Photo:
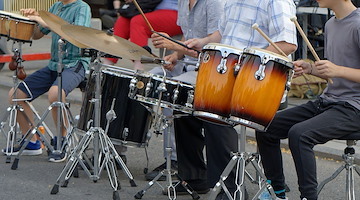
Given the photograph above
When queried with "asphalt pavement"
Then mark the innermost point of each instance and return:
(35, 176)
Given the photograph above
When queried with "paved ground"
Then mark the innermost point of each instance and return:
(35, 176)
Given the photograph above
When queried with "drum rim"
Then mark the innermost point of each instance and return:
(250, 124)
(167, 79)
(272, 56)
(221, 47)
(21, 18)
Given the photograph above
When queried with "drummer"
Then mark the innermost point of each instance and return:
(235, 29)
(198, 19)
(45, 79)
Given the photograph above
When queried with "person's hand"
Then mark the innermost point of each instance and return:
(301, 67)
(195, 43)
(172, 58)
(29, 12)
(327, 69)
(161, 42)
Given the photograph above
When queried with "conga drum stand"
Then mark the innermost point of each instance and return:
(239, 161)
(104, 153)
(167, 122)
(12, 112)
(62, 107)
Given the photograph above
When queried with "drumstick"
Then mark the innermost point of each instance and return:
(256, 27)
(143, 15)
(175, 41)
(312, 50)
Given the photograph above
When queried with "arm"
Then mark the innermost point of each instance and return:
(199, 43)
(287, 48)
(34, 15)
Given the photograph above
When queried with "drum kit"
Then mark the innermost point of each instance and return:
(233, 87)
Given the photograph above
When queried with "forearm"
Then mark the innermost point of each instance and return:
(287, 48)
(37, 33)
(349, 74)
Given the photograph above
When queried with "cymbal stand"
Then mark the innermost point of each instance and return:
(62, 107)
(161, 123)
(102, 147)
(10, 117)
(240, 160)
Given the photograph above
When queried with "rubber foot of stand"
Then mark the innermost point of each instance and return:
(195, 196)
(8, 159)
(95, 181)
(15, 164)
(116, 195)
(55, 189)
(132, 183)
(146, 170)
(65, 184)
(76, 173)
(139, 194)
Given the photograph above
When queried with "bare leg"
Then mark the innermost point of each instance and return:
(21, 119)
(52, 97)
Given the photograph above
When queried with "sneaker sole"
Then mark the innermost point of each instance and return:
(57, 161)
(25, 153)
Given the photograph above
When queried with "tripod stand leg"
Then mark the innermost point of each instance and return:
(150, 184)
(334, 175)
(75, 158)
(220, 184)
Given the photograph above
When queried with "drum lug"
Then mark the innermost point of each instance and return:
(148, 88)
(198, 62)
(222, 68)
(132, 88)
(237, 69)
(176, 94)
(190, 99)
(260, 73)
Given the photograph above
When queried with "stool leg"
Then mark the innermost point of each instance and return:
(350, 183)
(334, 175)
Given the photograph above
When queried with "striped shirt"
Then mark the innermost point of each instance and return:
(272, 16)
(77, 13)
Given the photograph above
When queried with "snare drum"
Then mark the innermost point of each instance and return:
(132, 122)
(215, 82)
(259, 87)
(177, 95)
(4, 21)
(21, 28)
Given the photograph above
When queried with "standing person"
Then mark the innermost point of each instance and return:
(235, 29)
(44, 80)
(336, 113)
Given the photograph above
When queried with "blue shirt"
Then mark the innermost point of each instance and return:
(77, 13)
(167, 5)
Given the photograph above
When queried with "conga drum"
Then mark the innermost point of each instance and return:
(259, 87)
(4, 21)
(21, 28)
(215, 81)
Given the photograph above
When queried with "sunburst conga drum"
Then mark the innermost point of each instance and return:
(21, 28)
(259, 87)
(215, 81)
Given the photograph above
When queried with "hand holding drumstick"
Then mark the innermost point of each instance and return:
(323, 64)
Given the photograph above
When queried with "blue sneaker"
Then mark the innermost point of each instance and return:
(32, 149)
(265, 195)
(57, 156)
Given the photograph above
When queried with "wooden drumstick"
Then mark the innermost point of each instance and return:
(143, 15)
(312, 50)
(256, 27)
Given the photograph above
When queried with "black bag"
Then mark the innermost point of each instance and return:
(129, 10)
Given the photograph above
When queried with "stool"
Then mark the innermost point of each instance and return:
(349, 165)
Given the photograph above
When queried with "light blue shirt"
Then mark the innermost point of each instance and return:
(77, 13)
(272, 16)
(167, 5)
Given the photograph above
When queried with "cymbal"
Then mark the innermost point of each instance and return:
(110, 44)
(55, 22)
